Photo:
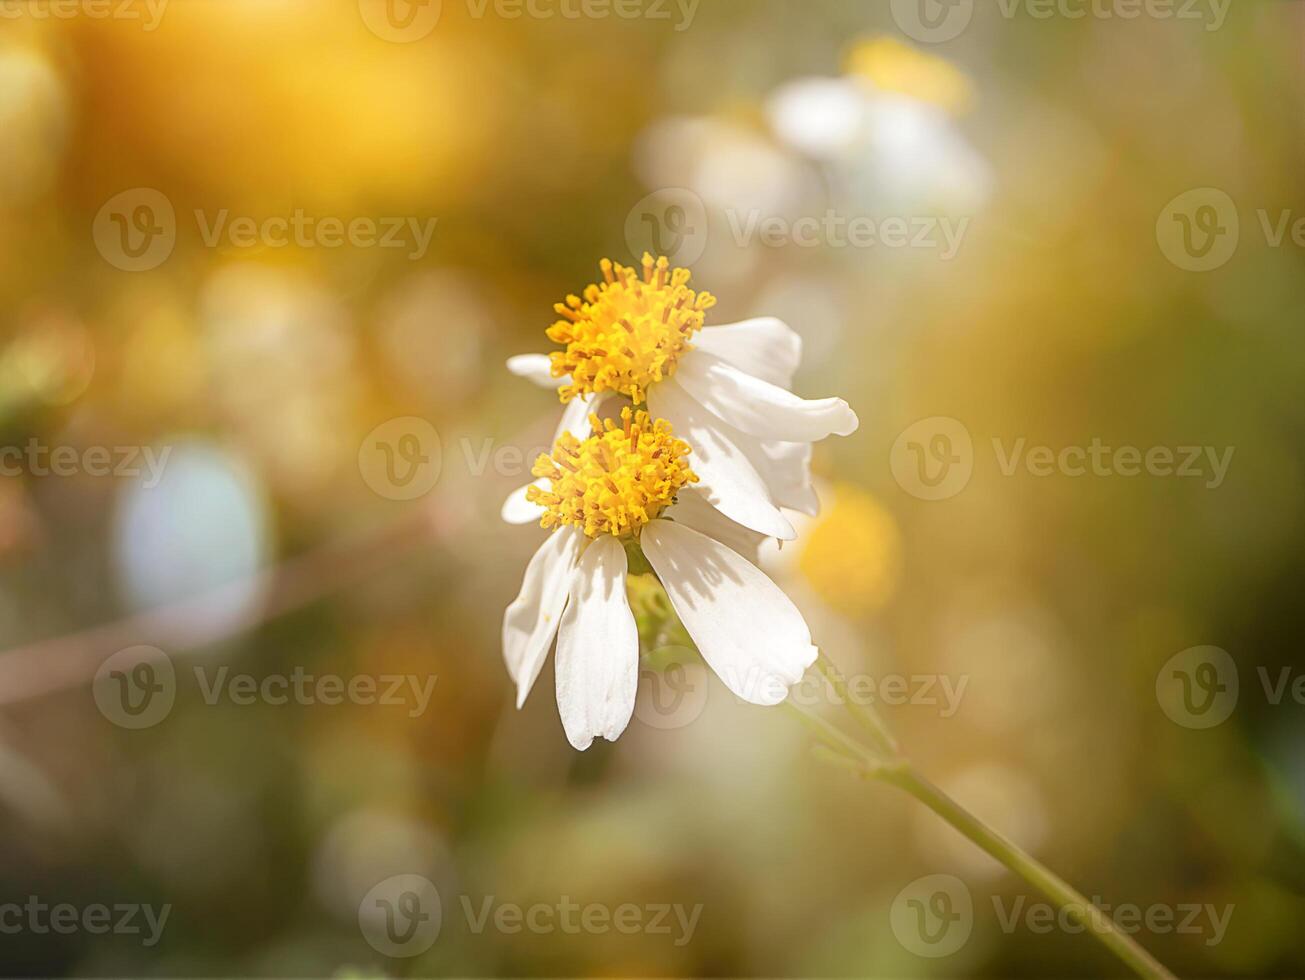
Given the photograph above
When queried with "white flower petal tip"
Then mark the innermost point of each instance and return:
(693, 509)
(852, 420)
(518, 510)
(759, 408)
(536, 368)
(597, 662)
(746, 628)
(532, 620)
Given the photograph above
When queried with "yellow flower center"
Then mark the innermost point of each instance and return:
(628, 331)
(617, 480)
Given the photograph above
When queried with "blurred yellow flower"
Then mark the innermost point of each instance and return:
(852, 553)
(894, 66)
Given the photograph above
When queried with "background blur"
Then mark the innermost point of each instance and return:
(301, 519)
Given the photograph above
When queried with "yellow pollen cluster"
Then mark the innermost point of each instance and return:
(617, 480)
(628, 331)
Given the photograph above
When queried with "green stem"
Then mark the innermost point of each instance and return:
(863, 713)
(884, 762)
(1026, 866)
(833, 738)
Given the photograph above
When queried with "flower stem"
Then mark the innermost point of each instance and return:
(863, 713)
(883, 761)
(1026, 866)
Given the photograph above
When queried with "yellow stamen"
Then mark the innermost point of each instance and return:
(615, 481)
(628, 332)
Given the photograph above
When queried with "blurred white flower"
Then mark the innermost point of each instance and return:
(729, 166)
(886, 131)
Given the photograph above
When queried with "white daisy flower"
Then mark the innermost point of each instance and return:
(724, 389)
(629, 485)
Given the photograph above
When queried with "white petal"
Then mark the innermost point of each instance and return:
(597, 649)
(758, 408)
(693, 510)
(786, 469)
(765, 347)
(728, 479)
(518, 510)
(746, 628)
(575, 417)
(532, 620)
(535, 368)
